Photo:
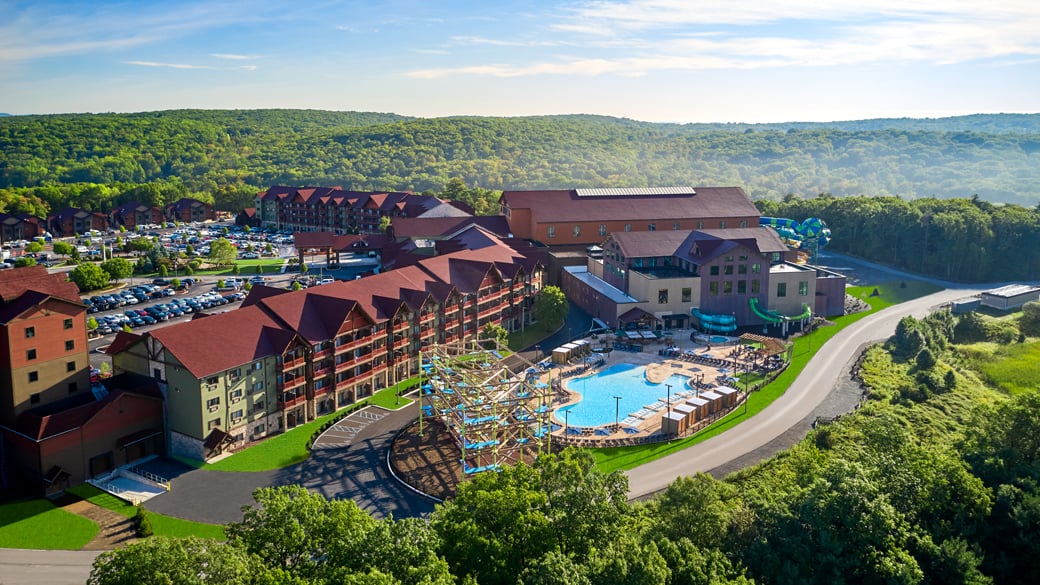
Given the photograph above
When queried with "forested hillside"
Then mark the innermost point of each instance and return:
(934, 480)
(954, 239)
(226, 154)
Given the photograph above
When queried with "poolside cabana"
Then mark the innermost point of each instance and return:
(714, 401)
(560, 355)
(673, 423)
(700, 407)
(638, 318)
(729, 395)
(687, 410)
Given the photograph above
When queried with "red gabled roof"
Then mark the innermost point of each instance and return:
(245, 334)
(14, 283)
(123, 340)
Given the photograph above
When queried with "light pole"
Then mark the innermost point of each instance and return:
(669, 387)
(617, 408)
(566, 420)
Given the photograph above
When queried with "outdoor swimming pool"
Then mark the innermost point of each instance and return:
(719, 339)
(597, 403)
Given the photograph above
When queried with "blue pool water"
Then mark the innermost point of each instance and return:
(597, 403)
(718, 339)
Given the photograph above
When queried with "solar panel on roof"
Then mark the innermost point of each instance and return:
(634, 191)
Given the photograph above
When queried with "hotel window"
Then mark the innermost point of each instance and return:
(34, 376)
(741, 268)
(776, 256)
(729, 270)
(803, 288)
(237, 415)
(722, 225)
(675, 226)
(687, 294)
(552, 231)
(700, 225)
(714, 271)
(756, 287)
(713, 288)
(258, 365)
(214, 423)
(727, 287)
(662, 296)
(67, 323)
(781, 289)
(70, 366)
(70, 345)
(577, 230)
(258, 386)
(30, 332)
(743, 223)
(756, 268)
(628, 227)
(651, 227)
(741, 287)
(602, 229)
(30, 354)
(213, 403)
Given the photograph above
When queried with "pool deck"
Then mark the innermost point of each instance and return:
(645, 425)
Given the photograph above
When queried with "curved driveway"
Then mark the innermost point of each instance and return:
(807, 392)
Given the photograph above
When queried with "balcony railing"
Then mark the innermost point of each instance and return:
(291, 401)
(289, 383)
(290, 363)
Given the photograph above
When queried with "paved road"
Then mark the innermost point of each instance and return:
(45, 567)
(807, 392)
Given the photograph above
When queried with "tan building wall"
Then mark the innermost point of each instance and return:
(797, 283)
(650, 289)
(595, 232)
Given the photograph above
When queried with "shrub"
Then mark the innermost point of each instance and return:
(142, 523)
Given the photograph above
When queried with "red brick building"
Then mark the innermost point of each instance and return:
(19, 226)
(189, 210)
(72, 221)
(43, 340)
(132, 214)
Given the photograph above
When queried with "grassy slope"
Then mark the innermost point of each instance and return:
(38, 524)
(804, 348)
(161, 524)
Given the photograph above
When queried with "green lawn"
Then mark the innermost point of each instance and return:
(290, 447)
(804, 348)
(162, 525)
(1014, 367)
(39, 524)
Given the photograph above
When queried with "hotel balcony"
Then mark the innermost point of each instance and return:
(292, 382)
(351, 345)
(291, 363)
(290, 399)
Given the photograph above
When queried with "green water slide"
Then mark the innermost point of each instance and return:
(766, 315)
(805, 314)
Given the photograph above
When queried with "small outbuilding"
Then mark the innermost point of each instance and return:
(1010, 297)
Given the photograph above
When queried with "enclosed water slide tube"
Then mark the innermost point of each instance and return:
(765, 315)
(798, 233)
(715, 323)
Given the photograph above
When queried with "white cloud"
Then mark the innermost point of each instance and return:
(168, 65)
(755, 34)
(232, 56)
(430, 51)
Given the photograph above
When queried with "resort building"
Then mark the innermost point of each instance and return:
(19, 226)
(57, 429)
(331, 209)
(188, 210)
(288, 356)
(588, 216)
(722, 279)
(72, 221)
(132, 214)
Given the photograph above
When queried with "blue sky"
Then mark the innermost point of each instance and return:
(655, 60)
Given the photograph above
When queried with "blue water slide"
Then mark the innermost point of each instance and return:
(715, 323)
(799, 234)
